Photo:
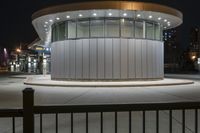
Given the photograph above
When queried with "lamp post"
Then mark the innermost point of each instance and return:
(18, 51)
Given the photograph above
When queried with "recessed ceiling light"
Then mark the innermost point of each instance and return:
(159, 18)
(47, 32)
(125, 14)
(94, 14)
(150, 16)
(80, 15)
(50, 20)
(169, 22)
(165, 27)
(46, 22)
(57, 18)
(109, 14)
(45, 25)
(46, 29)
(67, 16)
(138, 15)
(165, 20)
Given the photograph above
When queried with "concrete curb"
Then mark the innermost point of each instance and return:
(17, 77)
(31, 81)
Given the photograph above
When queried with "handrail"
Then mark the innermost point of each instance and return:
(11, 112)
(115, 107)
(30, 109)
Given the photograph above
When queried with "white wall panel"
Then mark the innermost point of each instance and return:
(162, 60)
(79, 58)
(116, 59)
(154, 59)
(72, 58)
(157, 59)
(108, 59)
(144, 59)
(93, 58)
(138, 60)
(53, 64)
(101, 57)
(124, 58)
(61, 59)
(56, 61)
(86, 59)
(66, 56)
(149, 59)
(131, 58)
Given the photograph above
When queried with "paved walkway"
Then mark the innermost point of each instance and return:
(11, 97)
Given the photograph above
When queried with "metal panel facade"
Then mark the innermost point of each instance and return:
(86, 59)
(93, 58)
(116, 59)
(101, 58)
(124, 58)
(79, 59)
(107, 58)
(131, 59)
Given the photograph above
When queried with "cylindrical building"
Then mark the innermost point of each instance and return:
(106, 40)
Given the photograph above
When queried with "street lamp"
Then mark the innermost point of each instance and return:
(18, 50)
(193, 57)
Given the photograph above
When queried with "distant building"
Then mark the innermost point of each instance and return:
(40, 60)
(172, 50)
(194, 47)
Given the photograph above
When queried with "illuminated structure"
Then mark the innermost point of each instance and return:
(106, 40)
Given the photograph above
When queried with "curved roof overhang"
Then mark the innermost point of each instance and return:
(43, 19)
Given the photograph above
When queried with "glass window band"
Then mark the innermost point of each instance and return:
(106, 28)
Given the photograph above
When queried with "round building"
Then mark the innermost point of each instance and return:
(106, 40)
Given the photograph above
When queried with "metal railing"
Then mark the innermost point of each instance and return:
(29, 110)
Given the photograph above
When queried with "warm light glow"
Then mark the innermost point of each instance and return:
(18, 50)
(193, 57)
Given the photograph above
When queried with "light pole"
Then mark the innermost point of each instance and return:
(18, 51)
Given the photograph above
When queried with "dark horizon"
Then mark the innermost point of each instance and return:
(16, 25)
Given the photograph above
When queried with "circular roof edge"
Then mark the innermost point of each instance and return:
(121, 5)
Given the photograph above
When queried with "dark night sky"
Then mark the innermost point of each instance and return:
(16, 27)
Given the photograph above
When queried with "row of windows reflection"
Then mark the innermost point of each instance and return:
(105, 28)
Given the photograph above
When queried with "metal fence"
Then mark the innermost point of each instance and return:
(29, 110)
